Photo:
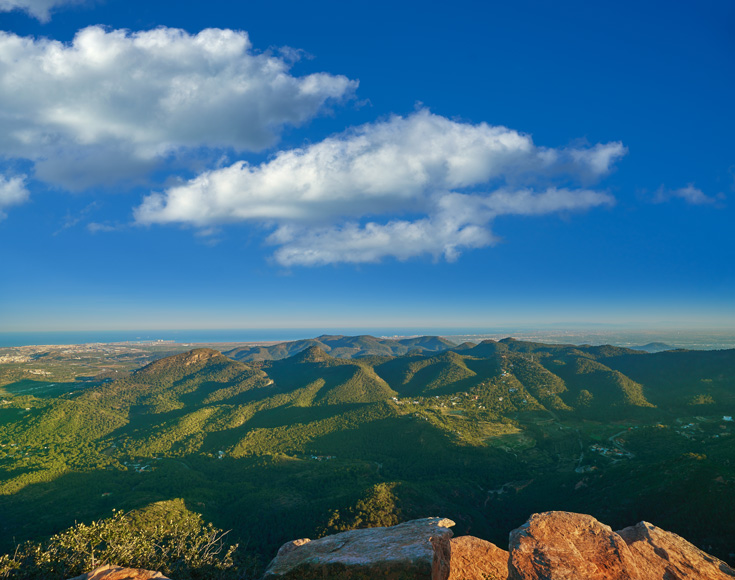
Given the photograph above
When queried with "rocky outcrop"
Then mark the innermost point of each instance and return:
(416, 550)
(550, 546)
(476, 559)
(118, 573)
(661, 554)
(567, 546)
(562, 545)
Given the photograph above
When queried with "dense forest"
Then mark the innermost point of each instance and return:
(305, 439)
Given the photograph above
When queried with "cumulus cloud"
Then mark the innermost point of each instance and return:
(460, 223)
(12, 192)
(689, 194)
(39, 9)
(452, 178)
(115, 99)
(396, 165)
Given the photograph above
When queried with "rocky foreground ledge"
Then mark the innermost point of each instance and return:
(550, 546)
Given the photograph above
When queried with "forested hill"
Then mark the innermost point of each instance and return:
(504, 377)
(341, 435)
(344, 347)
(588, 379)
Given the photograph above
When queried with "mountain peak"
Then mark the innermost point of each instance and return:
(311, 354)
(654, 347)
(199, 355)
(185, 359)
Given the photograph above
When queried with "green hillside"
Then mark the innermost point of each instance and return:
(298, 446)
(678, 378)
(609, 389)
(544, 385)
(436, 375)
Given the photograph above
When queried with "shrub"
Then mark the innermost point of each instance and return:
(183, 547)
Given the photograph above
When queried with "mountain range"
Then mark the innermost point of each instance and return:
(339, 432)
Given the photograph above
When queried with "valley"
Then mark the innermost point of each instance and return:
(278, 441)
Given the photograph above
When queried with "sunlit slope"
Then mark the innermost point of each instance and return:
(569, 377)
(328, 380)
(197, 377)
(203, 401)
(544, 385)
(61, 422)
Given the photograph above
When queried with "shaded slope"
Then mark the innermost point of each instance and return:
(417, 375)
(191, 378)
(328, 380)
(609, 388)
(676, 379)
(340, 346)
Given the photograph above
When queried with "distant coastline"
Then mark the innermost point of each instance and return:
(13, 339)
(689, 339)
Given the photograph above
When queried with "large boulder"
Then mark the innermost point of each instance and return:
(659, 555)
(415, 550)
(550, 546)
(118, 573)
(568, 546)
(476, 559)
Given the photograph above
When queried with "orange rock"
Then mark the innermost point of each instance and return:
(118, 573)
(568, 546)
(662, 555)
(550, 546)
(476, 559)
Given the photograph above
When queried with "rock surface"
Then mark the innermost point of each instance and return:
(567, 546)
(476, 559)
(416, 550)
(550, 546)
(118, 573)
(659, 554)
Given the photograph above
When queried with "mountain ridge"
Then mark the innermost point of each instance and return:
(482, 434)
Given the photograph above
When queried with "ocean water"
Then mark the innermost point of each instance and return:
(690, 339)
(9, 339)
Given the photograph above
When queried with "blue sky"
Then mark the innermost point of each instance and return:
(357, 164)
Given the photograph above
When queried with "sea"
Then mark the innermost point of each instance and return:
(10, 339)
(696, 339)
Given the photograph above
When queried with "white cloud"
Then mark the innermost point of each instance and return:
(395, 165)
(689, 194)
(598, 159)
(437, 184)
(12, 192)
(39, 9)
(460, 222)
(95, 227)
(115, 98)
